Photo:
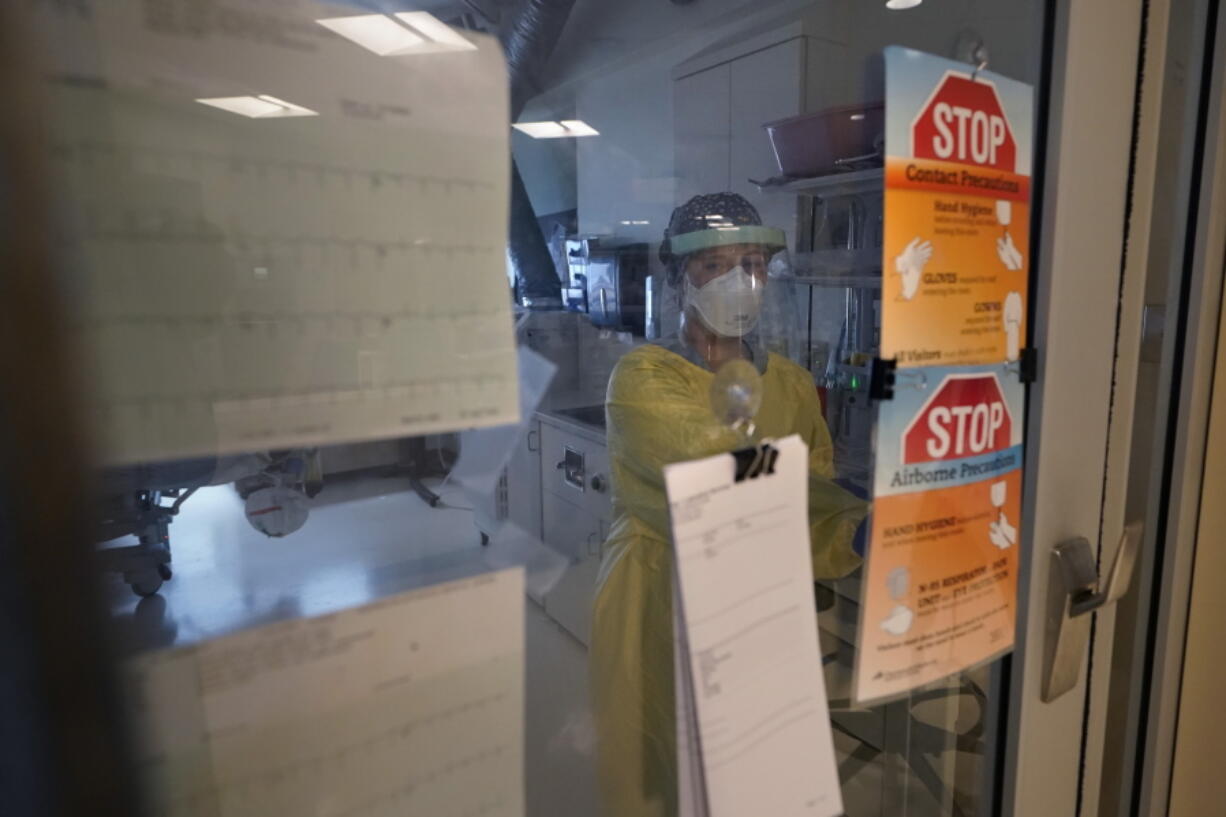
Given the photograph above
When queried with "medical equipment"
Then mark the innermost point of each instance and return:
(142, 501)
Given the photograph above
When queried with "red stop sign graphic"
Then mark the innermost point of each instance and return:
(966, 416)
(963, 121)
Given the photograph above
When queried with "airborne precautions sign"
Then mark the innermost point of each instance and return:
(940, 587)
(957, 212)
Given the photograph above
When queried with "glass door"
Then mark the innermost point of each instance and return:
(391, 314)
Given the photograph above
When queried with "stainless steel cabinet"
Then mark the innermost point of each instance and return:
(575, 465)
(580, 536)
(575, 515)
(524, 482)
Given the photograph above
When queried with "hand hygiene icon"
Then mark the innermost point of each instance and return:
(1001, 533)
(910, 265)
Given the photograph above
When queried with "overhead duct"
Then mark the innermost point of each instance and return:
(529, 41)
(529, 38)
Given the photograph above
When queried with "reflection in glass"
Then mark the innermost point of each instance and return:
(286, 227)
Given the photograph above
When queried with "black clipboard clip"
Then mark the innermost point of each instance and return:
(754, 461)
(1027, 365)
(882, 378)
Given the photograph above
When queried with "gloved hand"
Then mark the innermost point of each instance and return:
(1007, 530)
(1009, 254)
(1001, 533)
(910, 264)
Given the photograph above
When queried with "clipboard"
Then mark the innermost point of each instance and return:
(753, 730)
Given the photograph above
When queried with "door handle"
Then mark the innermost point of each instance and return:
(531, 448)
(1078, 593)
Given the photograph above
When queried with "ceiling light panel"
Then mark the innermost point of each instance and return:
(375, 32)
(405, 34)
(435, 30)
(577, 127)
(566, 129)
(263, 106)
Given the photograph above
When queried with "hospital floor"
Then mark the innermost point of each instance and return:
(369, 537)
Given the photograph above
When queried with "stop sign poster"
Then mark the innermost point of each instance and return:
(957, 212)
(940, 587)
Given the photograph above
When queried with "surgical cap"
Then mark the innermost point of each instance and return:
(714, 220)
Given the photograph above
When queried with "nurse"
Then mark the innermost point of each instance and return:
(726, 273)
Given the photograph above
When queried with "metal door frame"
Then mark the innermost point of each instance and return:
(1077, 431)
(1189, 356)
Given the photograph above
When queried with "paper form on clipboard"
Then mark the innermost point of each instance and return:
(753, 730)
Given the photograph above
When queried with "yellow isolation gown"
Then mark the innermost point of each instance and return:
(658, 412)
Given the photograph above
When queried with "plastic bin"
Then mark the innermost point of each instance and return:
(813, 143)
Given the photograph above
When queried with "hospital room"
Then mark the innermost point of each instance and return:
(408, 338)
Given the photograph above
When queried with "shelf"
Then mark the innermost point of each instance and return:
(854, 183)
(863, 281)
(836, 267)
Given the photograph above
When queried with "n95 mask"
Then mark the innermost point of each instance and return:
(729, 305)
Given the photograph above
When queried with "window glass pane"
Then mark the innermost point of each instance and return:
(375, 297)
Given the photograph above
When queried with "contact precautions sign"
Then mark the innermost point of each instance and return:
(957, 191)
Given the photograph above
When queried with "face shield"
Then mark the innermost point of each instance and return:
(733, 290)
